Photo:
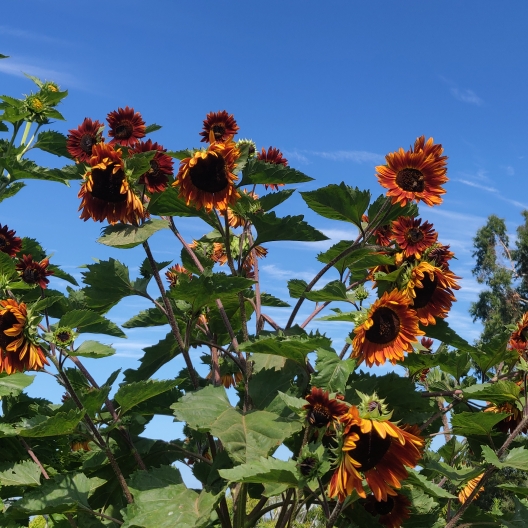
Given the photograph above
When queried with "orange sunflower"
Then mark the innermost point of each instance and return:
(440, 255)
(430, 290)
(392, 512)
(156, 179)
(206, 179)
(9, 243)
(32, 272)
(518, 340)
(415, 175)
(273, 155)
(81, 140)
(173, 274)
(18, 349)
(106, 193)
(219, 126)
(383, 233)
(126, 127)
(467, 490)
(389, 330)
(412, 236)
(321, 410)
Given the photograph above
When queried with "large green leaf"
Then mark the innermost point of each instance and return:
(444, 333)
(392, 212)
(59, 424)
(517, 458)
(257, 171)
(358, 260)
(338, 202)
(499, 392)
(14, 383)
(93, 349)
(457, 363)
(333, 291)
(271, 228)
(494, 352)
(520, 516)
(145, 318)
(246, 437)
(132, 394)
(87, 321)
(52, 142)
(468, 423)
(332, 373)
(271, 200)
(126, 236)
(455, 476)
(416, 479)
(25, 473)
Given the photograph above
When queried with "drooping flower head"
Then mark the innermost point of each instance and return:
(519, 339)
(9, 243)
(439, 255)
(19, 350)
(415, 175)
(126, 127)
(321, 410)
(156, 179)
(412, 236)
(392, 512)
(219, 127)
(106, 193)
(206, 179)
(33, 272)
(273, 155)
(467, 490)
(388, 331)
(82, 139)
(173, 274)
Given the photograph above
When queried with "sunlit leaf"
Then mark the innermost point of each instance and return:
(126, 236)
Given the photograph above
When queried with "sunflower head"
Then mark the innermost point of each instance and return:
(33, 272)
(156, 179)
(64, 336)
(251, 146)
(468, 489)
(218, 127)
(519, 338)
(392, 512)
(9, 243)
(321, 410)
(439, 255)
(412, 236)
(126, 127)
(82, 139)
(36, 103)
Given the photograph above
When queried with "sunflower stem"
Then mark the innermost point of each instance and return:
(335, 514)
(25, 134)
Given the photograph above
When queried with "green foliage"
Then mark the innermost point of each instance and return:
(124, 236)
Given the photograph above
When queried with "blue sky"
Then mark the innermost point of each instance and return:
(334, 86)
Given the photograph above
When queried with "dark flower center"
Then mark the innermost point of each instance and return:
(411, 180)
(414, 235)
(385, 328)
(123, 130)
(154, 168)
(209, 174)
(384, 507)
(370, 448)
(373, 405)
(319, 416)
(4, 243)
(306, 466)
(8, 320)
(218, 130)
(107, 186)
(86, 143)
(425, 294)
(31, 275)
(63, 337)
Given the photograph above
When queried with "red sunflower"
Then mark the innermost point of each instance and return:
(273, 155)
(106, 193)
(81, 140)
(389, 330)
(126, 127)
(430, 290)
(9, 243)
(415, 175)
(156, 179)
(206, 179)
(412, 236)
(219, 127)
(18, 348)
(440, 255)
(392, 512)
(321, 410)
(32, 272)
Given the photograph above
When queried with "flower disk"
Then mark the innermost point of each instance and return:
(412, 236)
(126, 126)
(156, 179)
(415, 175)
(390, 328)
(81, 140)
(321, 411)
(9, 243)
(106, 193)
(219, 126)
(392, 512)
(207, 180)
(32, 272)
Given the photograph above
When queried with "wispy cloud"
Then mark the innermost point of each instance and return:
(463, 95)
(494, 191)
(19, 68)
(356, 156)
(280, 273)
(29, 35)
(297, 156)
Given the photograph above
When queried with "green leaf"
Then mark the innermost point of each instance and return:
(52, 142)
(393, 212)
(519, 491)
(416, 479)
(86, 321)
(139, 163)
(60, 274)
(126, 236)
(444, 333)
(468, 423)
(180, 154)
(297, 287)
(499, 392)
(332, 373)
(266, 299)
(455, 363)
(152, 128)
(11, 190)
(132, 394)
(25, 473)
(146, 318)
(494, 352)
(270, 228)
(7, 266)
(93, 349)
(257, 171)
(517, 458)
(455, 476)
(333, 291)
(338, 202)
(358, 260)
(59, 424)
(271, 200)
(14, 383)
(246, 437)
(520, 516)
(264, 471)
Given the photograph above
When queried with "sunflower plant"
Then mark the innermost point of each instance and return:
(357, 445)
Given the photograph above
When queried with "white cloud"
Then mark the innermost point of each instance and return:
(466, 96)
(357, 156)
(297, 156)
(18, 69)
(29, 35)
(496, 192)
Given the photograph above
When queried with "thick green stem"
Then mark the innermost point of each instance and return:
(239, 507)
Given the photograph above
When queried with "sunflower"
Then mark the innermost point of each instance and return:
(430, 290)
(510, 423)
(106, 193)
(228, 380)
(273, 155)
(81, 140)
(234, 218)
(415, 175)
(467, 490)
(440, 255)
(389, 330)
(249, 262)
(9, 243)
(156, 179)
(321, 410)
(126, 127)
(173, 274)
(18, 349)
(383, 233)
(206, 179)
(412, 236)
(392, 512)
(32, 272)
(219, 127)
(518, 340)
